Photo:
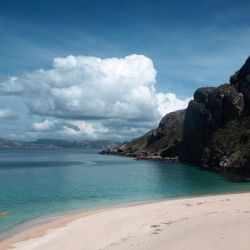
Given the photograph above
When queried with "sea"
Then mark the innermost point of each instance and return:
(42, 183)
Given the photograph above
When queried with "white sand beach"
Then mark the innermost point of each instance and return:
(208, 223)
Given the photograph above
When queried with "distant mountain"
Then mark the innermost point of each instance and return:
(87, 144)
(54, 143)
(8, 143)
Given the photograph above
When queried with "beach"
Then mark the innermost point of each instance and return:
(208, 222)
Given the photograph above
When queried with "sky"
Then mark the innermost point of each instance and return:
(110, 69)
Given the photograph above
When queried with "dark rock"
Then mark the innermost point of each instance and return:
(210, 110)
(214, 131)
(157, 158)
(168, 134)
(241, 81)
(171, 151)
(230, 148)
(152, 158)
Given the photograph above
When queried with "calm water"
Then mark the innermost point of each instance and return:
(36, 183)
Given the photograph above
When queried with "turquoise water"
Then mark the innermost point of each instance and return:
(37, 183)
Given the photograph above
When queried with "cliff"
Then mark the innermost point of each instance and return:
(213, 132)
(216, 132)
(211, 109)
(162, 141)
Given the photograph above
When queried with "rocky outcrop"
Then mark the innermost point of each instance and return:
(213, 132)
(163, 141)
(166, 138)
(229, 151)
(216, 133)
(211, 109)
(241, 81)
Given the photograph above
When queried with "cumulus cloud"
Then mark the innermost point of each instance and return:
(46, 125)
(7, 113)
(79, 88)
(70, 128)
(168, 102)
(89, 88)
(82, 128)
(93, 88)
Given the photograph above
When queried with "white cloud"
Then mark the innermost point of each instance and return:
(70, 128)
(46, 125)
(84, 129)
(7, 113)
(167, 103)
(80, 88)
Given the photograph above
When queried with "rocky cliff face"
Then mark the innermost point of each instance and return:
(229, 151)
(211, 109)
(168, 135)
(213, 132)
(241, 81)
(163, 140)
(217, 126)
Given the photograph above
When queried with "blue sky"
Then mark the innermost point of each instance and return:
(191, 44)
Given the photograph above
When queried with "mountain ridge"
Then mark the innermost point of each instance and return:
(56, 143)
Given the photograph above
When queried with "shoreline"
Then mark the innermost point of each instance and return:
(47, 219)
(39, 227)
(53, 225)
